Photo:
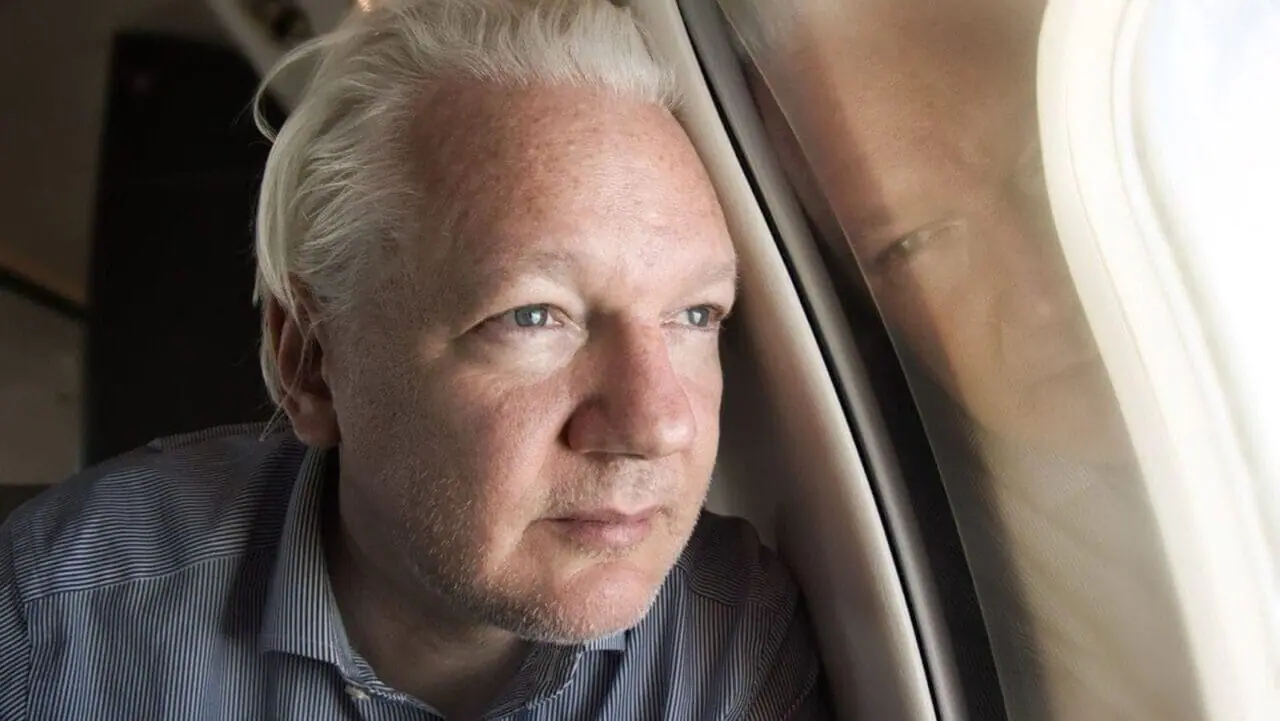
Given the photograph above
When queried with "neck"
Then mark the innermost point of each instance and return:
(415, 641)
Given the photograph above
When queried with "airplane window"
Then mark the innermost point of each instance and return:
(908, 132)
(1211, 154)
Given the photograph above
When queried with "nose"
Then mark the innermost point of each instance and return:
(1038, 291)
(640, 407)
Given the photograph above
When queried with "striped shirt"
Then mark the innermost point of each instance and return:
(186, 580)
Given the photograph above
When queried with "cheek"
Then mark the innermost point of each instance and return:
(705, 391)
(969, 334)
(702, 380)
(706, 400)
(955, 334)
(696, 361)
(509, 436)
(913, 316)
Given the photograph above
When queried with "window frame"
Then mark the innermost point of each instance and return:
(817, 279)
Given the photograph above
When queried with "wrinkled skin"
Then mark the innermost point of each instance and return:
(554, 354)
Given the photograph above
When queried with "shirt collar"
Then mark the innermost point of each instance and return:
(616, 642)
(301, 616)
(547, 671)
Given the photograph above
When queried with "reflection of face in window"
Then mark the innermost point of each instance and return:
(919, 128)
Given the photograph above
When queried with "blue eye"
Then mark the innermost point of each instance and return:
(699, 317)
(531, 316)
(704, 317)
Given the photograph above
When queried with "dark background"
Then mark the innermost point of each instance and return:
(169, 329)
(171, 342)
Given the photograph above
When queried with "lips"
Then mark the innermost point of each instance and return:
(609, 516)
(606, 529)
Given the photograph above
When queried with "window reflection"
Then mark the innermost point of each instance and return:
(908, 129)
(922, 120)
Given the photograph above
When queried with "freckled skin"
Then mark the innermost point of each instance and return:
(461, 433)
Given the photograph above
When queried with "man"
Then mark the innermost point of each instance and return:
(492, 271)
(909, 129)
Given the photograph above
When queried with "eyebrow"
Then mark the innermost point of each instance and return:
(476, 276)
(557, 266)
(553, 264)
(722, 272)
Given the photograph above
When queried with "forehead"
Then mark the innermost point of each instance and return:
(561, 172)
(906, 100)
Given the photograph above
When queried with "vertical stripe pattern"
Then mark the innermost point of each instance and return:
(186, 580)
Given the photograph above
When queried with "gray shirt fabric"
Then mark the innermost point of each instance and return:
(187, 580)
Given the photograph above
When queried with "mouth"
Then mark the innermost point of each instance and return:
(606, 529)
(1082, 367)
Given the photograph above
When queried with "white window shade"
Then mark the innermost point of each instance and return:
(1159, 122)
(1207, 117)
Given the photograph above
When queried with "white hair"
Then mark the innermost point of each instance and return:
(337, 190)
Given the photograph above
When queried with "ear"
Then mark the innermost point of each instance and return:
(306, 395)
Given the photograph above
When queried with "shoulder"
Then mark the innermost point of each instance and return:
(726, 563)
(171, 504)
(730, 627)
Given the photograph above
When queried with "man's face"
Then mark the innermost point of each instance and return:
(529, 408)
(920, 126)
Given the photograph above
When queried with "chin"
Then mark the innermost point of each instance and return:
(562, 593)
(593, 603)
(605, 599)
(1088, 424)
(1082, 427)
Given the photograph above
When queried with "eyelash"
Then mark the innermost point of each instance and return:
(908, 245)
(554, 315)
(716, 317)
